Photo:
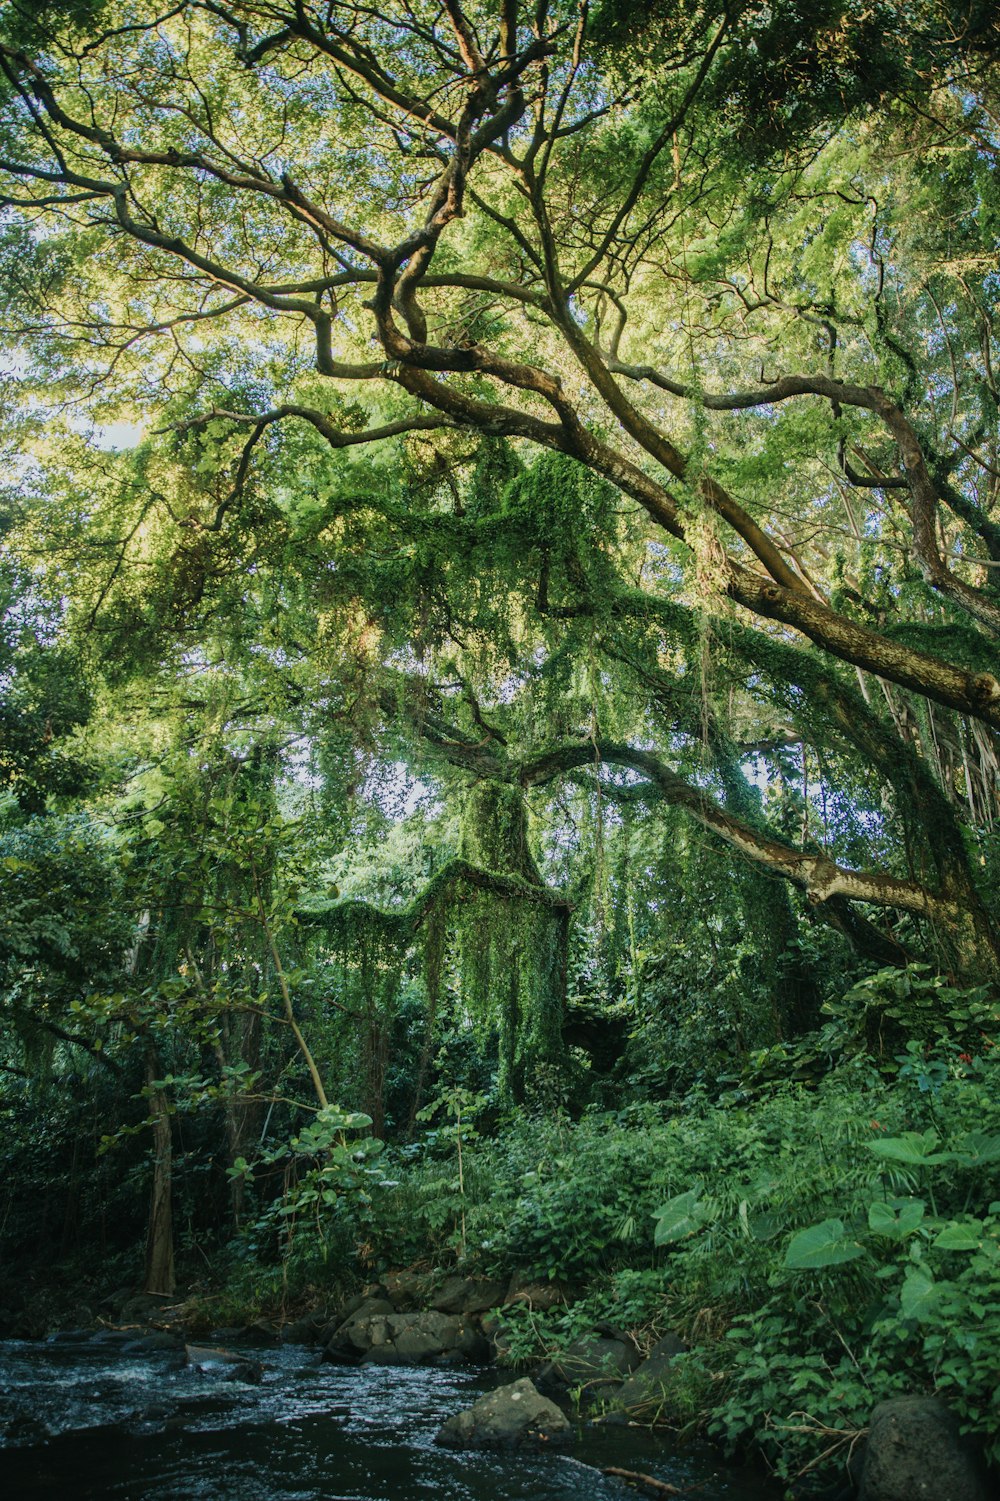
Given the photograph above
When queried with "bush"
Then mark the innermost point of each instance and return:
(821, 1245)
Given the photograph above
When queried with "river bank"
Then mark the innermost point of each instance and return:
(93, 1415)
(817, 1258)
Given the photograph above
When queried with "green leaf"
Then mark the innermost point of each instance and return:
(765, 1226)
(920, 1295)
(883, 1218)
(915, 1148)
(960, 1237)
(680, 1216)
(977, 1149)
(821, 1246)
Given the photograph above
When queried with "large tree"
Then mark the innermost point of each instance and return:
(681, 332)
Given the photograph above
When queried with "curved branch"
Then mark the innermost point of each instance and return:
(923, 489)
(336, 437)
(814, 872)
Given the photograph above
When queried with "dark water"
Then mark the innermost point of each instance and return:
(85, 1423)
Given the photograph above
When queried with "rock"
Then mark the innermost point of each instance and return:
(262, 1332)
(667, 1347)
(360, 1329)
(915, 1452)
(426, 1337)
(156, 1339)
(73, 1337)
(594, 1362)
(115, 1339)
(468, 1295)
(643, 1392)
(327, 1328)
(230, 1365)
(249, 1372)
(540, 1295)
(118, 1298)
(302, 1331)
(613, 1331)
(371, 1306)
(408, 1290)
(420, 1338)
(154, 1412)
(349, 1306)
(496, 1335)
(145, 1308)
(512, 1415)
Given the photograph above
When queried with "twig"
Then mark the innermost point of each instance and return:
(645, 1482)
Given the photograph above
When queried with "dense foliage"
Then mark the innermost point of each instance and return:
(499, 558)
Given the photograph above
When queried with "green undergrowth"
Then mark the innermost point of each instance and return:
(820, 1242)
(823, 1231)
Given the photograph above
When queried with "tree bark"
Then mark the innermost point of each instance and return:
(160, 1231)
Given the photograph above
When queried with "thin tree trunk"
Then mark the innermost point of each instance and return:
(286, 996)
(160, 1233)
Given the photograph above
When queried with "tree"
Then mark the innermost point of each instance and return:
(744, 377)
(43, 697)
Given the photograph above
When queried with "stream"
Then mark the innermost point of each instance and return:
(86, 1420)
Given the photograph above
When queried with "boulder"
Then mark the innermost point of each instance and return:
(228, 1365)
(303, 1331)
(111, 1338)
(468, 1295)
(335, 1318)
(455, 1338)
(538, 1295)
(350, 1305)
(262, 1332)
(408, 1290)
(915, 1452)
(84, 1336)
(425, 1337)
(594, 1361)
(510, 1416)
(249, 1372)
(642, 1393)
(145, 1308)
(358, 1331)
(413, 1339)
(496, 1334)
(155, 1340)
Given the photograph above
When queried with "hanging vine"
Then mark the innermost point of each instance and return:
(509, 933)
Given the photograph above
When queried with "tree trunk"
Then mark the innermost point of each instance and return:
(160, 1233)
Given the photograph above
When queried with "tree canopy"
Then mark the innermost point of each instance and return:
(580, 394)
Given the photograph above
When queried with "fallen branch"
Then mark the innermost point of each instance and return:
(645, 1483)
(812, 1426)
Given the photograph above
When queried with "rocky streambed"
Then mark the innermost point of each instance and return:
(408, 1319)
(390, 1396)
(109, 1415)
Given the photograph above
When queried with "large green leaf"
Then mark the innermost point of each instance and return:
(766, 1225)
(895, 1219)
(679, 1216)
(920, 1294)
(915, 1148)
(827, 1244)
(977, 1149)
(960, 1237)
